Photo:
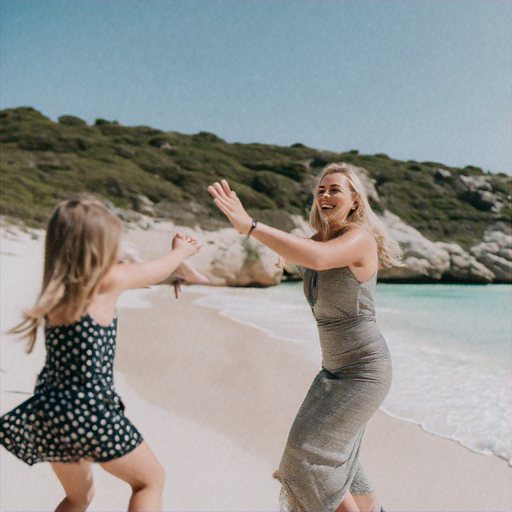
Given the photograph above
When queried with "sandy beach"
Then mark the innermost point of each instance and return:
(215, 400)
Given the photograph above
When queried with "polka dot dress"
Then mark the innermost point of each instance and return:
(74, 413)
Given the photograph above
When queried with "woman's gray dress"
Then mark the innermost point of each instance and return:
(321, 459)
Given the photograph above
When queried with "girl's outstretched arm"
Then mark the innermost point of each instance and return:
(126, 276)
(345, 250)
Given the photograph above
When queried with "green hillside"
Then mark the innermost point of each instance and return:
(43, 161)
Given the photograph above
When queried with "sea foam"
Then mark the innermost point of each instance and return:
(450, 347)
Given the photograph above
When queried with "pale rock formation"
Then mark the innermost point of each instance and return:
(442, 174)
(230, 259)
(424, 260)
(143, 204)
(132, 218)
(368, 184)
(464, 267)
(227, 257)
(479, 193)
(495, 252)
(241, 261)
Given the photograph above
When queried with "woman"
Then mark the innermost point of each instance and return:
(320, 468)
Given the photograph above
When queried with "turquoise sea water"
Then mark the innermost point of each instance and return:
(450, 346)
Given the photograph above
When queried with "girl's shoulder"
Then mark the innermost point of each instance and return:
(112, 278)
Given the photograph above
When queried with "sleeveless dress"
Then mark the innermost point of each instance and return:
(75, 412)
(320, 462)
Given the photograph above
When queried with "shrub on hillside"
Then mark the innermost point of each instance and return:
(282, 190)
(207, 137)
(47, 142)
(104, 122)
(276, 218)
(71, 121)
(42, 160)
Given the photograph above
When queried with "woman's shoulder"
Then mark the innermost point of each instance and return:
(354, 236)
(355, 233)
(359, 231)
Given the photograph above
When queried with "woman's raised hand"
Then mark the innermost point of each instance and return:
(228, 203)
(188, 244)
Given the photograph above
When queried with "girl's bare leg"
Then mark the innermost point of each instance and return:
(367, 502)
(187, 272)
(77, 480)
(141, 469)
(348, 504)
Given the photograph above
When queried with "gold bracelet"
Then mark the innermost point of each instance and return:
(253, 226)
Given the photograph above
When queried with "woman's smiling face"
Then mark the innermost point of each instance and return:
(335, 197)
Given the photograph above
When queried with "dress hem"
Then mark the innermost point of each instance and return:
(71, 460)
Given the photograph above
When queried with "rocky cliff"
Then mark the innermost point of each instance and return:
(454, 224)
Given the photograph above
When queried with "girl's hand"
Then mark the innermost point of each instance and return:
(181, 236)
(188, 244)
(228, 203)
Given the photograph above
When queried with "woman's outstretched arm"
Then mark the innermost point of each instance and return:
(339, 252)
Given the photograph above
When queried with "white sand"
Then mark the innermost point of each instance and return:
(215, 399)
(205, 470)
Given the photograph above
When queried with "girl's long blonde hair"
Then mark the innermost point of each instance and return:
(82, 244)
(362, 216)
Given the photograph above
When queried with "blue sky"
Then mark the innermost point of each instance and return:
(425, 80)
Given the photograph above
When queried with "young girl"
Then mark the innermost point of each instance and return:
(320, 468)
(75, 417)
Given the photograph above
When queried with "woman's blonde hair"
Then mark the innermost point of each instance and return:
(82, 244)
(362, 216)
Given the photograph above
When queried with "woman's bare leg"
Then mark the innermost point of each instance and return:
(77, 480)
(141, 469)
(367, 502)
(348, 504)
